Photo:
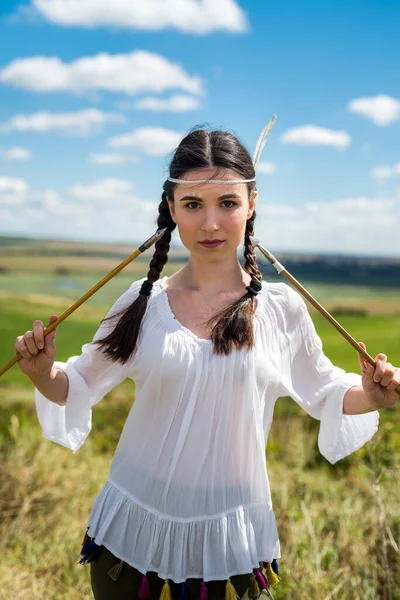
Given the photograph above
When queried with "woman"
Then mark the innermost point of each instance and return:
(186, 509)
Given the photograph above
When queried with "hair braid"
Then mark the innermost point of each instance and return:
(160, 256)
(250, 264)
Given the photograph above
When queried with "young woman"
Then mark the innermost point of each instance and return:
(186, 510)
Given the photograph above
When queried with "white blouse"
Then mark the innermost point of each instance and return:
(187, 494)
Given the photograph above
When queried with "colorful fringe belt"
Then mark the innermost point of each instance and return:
(259, 581)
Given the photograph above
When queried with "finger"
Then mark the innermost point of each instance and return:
(369, 374)
(30, 343)
(380, 362)
(50, 336)
(38, 334)
(388, 375)
(20, 347)
(361, 359)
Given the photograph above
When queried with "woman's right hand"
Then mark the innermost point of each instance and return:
(38, 352)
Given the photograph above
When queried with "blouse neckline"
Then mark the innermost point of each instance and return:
(170, 317)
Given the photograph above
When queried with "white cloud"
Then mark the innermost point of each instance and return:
(111, 159)
(188, 16)
(177, 103)
(112, 194)
(16, 153)
(381, 110)
(359, 225)
(154, 141)
(49, 198)
(13, 186)
(133, 73)
(12, 191)
(107, 210)
(385, 172)
(78, 123)
(311, 135)
(266, 167)
(105, 189)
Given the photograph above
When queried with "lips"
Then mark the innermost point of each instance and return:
(211, 243)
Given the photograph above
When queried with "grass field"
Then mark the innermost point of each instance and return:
(339, 524)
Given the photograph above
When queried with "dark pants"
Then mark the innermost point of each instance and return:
(128, 584)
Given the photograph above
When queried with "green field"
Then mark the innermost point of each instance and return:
(339, 524)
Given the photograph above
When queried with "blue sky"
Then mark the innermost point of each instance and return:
(79, 158)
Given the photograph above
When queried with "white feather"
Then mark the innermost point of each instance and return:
(262, 139)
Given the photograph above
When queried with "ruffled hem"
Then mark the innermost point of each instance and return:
(212, 548)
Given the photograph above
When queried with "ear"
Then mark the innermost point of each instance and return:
(171, 209)
(252, 203)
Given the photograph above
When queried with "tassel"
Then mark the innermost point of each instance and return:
(275, 566)
(203, 591)
(253, 589)
(230, 592)
(261, 581)
(89, 553)
(166, 591)
(115, 571)
(184, 592)
(144, 590)
(272, 577)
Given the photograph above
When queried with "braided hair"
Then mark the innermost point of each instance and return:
(233, 326)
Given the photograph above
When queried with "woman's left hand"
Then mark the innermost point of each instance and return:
(379, 382)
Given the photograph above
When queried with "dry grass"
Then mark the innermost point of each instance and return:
(339, 526)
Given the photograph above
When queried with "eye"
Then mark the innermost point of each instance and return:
(229, 203)
(192, 205)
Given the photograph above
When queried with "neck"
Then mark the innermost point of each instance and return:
(215, 276)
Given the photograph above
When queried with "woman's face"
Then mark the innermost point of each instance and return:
(211, 218)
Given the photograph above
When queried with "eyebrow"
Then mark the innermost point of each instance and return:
(223, 197)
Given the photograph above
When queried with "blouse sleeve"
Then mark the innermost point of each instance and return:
(91, 376)
(319, 387)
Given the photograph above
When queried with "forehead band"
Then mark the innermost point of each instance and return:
(257, 153)
(210, 180)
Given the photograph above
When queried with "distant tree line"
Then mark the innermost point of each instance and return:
(340, 270)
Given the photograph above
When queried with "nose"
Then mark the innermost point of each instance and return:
(210, 222)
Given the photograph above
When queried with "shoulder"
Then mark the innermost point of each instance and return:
(281, 296)
(282, 309)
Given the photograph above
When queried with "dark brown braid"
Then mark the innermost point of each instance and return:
(121, 342)
(250, 264)
(160, 256)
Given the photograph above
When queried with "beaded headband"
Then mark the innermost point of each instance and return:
(257, 153)
(210, 180)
